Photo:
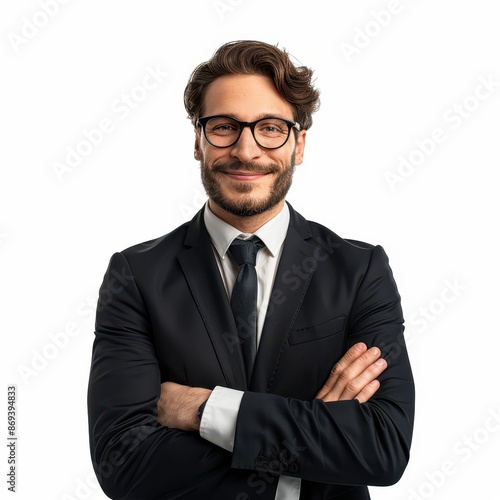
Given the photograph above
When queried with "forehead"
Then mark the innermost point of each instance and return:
(245, 97)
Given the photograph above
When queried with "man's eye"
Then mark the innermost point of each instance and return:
(271, 129)
(223, 129)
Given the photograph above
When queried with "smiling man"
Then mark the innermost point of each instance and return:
(250, 354)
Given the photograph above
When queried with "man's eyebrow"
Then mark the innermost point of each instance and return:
(258, 117)
(272, 115)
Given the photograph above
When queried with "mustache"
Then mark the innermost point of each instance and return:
(237, 166)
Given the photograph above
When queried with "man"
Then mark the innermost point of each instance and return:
(249, 354)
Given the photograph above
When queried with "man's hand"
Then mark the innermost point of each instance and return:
(178, 406)
(354, 376)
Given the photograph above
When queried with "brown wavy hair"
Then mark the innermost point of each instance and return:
(250, 57)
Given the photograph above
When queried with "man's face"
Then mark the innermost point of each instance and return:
(246, 179)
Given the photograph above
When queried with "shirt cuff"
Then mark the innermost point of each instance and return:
(218, 422)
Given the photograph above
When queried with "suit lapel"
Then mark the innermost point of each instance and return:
(289, 288)
(205, 282)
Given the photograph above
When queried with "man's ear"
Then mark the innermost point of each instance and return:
(300, 145)
(197, 145)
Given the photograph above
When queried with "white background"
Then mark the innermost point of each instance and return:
(393, 87)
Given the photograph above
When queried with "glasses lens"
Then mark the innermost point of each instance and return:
(222, 131)
(271, 132)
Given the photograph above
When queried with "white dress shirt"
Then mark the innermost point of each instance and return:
(218, 423)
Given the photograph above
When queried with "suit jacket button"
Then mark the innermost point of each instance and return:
(293, 468)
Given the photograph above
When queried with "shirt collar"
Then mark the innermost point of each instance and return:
(272, 233)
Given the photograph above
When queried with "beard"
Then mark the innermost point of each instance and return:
(247, 206)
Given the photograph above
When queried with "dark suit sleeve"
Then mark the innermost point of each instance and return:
(341, 442)
(133, 456)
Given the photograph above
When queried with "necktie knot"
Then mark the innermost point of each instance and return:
(245, 251)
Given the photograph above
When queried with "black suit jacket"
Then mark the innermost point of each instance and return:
(163, 315)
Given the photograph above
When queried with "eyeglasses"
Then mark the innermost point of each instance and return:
(224, 131)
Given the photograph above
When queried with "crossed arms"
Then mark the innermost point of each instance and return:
(353, 377)
(354, 431)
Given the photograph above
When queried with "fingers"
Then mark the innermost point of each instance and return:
(368, 391)
(353, 376)
(349, 357)
(364, 386)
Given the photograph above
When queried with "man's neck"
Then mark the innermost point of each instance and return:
(246, 224)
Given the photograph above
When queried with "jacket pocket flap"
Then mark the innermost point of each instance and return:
(317, 332)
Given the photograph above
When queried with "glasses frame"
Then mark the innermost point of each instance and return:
(201, 122)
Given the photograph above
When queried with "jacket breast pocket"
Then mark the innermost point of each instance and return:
(329, 328)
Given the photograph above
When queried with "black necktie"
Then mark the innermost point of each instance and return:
(244, 298)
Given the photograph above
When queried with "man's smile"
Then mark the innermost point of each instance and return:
(244, 176)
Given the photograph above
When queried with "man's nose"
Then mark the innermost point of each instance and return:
(246, 149)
